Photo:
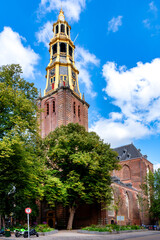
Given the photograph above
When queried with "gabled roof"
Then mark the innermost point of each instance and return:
(127, 152)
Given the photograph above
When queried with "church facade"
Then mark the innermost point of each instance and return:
(61, 104)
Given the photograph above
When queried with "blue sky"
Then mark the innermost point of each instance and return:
(117, 54)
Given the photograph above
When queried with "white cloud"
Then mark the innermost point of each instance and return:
(151, 22)
(153, 7)
(13, 51)
(136, 92)
(156, 166)
(118, 132)
(71, 8)
(84, 62)
(147, 23)
(45, 33)
(114, 24)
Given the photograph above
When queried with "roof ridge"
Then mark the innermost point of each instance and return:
(125, 145)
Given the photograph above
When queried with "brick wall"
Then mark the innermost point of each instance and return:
(134, 171)
(64, 99)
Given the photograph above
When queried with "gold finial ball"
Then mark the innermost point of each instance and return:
(61, 15)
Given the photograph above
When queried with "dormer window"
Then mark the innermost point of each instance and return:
(124, 151)
(57, 28)
(62, 28)
(129, 155)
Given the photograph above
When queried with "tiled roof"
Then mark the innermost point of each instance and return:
(127, 152)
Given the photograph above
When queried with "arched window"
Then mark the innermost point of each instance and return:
(70, 51)
(62, 28)
(57, 28)
(111, 211)
(126, 172)
(79, 111)
(74, 108)
(54, 48)
(54, 106)
(127, 203)
(47, 108)
(63, 47)
(63, 79)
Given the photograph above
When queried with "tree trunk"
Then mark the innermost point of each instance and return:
(71, 217)
(3, 221)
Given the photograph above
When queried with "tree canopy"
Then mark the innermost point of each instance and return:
(151, 190)
(81, 165)
(20, 154)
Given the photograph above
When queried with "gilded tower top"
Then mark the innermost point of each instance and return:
(61, 15)
(61, 70)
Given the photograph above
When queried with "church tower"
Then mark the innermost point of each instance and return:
(62, 102)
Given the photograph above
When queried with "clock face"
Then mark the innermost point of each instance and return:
(52, 72)
(61, 17)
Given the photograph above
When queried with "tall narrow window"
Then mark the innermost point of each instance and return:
(54, 48)
(53, 106)
(127, 204)
(111, 211)
(70, 51)
(138, 200)
(148, 188)
(47, 108)
(79, 111)
(62, 28)
(63, 47)
(56, 29)
(74, 108)
(67, 31)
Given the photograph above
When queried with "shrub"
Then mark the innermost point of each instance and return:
(43, 228)
(110, 228)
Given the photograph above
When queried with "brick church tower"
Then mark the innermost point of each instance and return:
(62, 102)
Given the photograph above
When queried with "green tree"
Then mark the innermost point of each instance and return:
(82, 164)
(151, 197)
(20, 153)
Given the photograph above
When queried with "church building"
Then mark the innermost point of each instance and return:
(63, 103)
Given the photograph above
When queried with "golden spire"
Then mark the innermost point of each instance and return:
(61, 15)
